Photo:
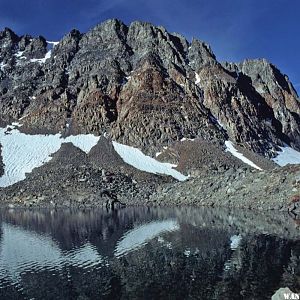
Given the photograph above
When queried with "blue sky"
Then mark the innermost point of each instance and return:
(236, 29)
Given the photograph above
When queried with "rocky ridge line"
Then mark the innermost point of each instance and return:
(144, 87)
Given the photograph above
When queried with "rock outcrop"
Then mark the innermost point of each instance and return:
(144, 87)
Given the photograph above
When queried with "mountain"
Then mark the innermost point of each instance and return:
(144, 87)
(125, 94)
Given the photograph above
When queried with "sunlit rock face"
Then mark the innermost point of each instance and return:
(145, 88)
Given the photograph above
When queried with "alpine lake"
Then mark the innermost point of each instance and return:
(147, 253)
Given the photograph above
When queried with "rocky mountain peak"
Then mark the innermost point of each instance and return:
(144, 87)
(200, 54)
(8, 35)
(107, 32)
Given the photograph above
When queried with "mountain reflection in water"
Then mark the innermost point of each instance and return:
(147, 253)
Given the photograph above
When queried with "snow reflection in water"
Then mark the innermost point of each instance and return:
(139, 236)
(163, 253)
(23, 251)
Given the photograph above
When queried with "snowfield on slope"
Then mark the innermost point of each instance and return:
(139, 160)
(286, 156)
(230, 148)
(21, 153)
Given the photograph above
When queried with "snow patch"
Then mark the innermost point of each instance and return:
(20, 57)
(52, 43)
(22, 153)
(15, 124)
(197, 78)
(83, 141)
(50, 46)
(186, 139)
(139, 160)
(140, 236)
(23, 117)
(19, 54)
(230, 148)
(157, 154)
(287, 155)
(42, 60)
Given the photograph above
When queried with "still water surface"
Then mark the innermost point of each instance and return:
(147, 253)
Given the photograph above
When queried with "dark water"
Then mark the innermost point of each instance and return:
(143, 253)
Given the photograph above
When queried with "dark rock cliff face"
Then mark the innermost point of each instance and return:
(144, 87)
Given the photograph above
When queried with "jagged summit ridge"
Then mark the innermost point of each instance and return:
(144, 87)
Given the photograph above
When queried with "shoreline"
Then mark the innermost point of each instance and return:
(210, 204)
(272, 190)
